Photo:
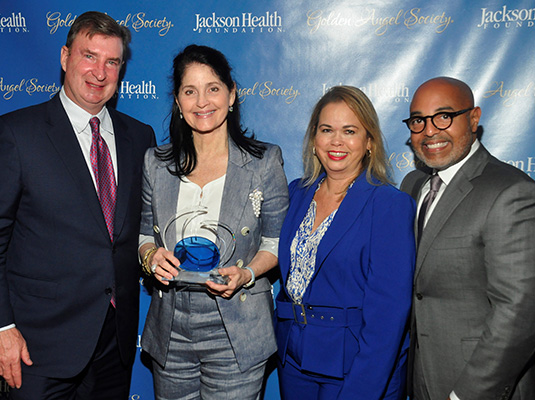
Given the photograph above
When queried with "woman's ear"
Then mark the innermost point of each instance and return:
(232, 97)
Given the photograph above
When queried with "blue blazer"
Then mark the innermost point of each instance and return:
(358, 301)
(57, 263)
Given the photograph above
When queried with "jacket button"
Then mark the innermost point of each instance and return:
(108, 291)
(239, 263)
(156, 229)
(419, 296)
(245, 231)
(243, 296)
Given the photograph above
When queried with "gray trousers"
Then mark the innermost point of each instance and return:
(201, 363)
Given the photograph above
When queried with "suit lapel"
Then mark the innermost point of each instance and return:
(349, 211)
(414, 192)
(124, 170)
(453, 196)
(238, 183)
(64, 139)
(299, 203)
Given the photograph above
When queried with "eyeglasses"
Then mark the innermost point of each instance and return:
(441, 120)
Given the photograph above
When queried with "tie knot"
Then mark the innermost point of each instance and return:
(95, 124)
(435, 183)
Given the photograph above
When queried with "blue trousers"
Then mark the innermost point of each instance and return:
(295, 384)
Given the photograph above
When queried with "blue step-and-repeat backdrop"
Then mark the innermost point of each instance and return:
(285, 55)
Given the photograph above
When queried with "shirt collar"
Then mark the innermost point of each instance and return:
(80, 118)
(447, 174)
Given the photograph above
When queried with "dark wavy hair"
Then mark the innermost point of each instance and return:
(182, 156)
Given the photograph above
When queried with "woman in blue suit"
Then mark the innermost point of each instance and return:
(346, 255)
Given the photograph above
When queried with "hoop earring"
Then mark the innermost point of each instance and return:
(180, 115)
(314, 150)
(369, 153)
(230, 109)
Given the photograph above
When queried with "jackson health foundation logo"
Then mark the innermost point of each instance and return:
(507, 18)
(139, 90)
(13, 23)
(246, 22)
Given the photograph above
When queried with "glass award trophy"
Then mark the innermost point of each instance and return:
(201, 245)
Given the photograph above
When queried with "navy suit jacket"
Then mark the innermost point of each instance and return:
(365, 261)
(57, 263)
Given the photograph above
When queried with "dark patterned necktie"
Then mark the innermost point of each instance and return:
(104, 176)
(428, 200)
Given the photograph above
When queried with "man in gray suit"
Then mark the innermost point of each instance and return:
(473, 320)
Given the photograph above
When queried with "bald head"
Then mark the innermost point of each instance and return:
(456, 88)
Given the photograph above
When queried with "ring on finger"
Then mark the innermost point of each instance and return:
(153, 268)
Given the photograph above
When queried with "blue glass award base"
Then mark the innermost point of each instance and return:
(202, 246)
(199, 257)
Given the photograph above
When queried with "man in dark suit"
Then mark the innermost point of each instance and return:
(473, 321)
(69, 222)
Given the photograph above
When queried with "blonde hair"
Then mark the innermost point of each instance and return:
(375, 162)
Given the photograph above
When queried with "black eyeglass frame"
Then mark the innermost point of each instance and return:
(432, 117)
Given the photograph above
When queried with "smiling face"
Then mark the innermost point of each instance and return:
(341, 141)
(204, 99)
(92, 67)
(441, 149)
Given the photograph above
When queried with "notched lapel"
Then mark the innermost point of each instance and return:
(125, 167)
(238, 183)
(450, 200)
(453, 196)
(349, 211)
(63, 138)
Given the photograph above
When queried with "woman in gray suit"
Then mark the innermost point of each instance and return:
(211, 341)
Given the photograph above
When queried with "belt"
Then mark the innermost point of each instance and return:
(319, 315)
(191, 288)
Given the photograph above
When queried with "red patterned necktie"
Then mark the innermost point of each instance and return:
(105, 179)
(104, 176)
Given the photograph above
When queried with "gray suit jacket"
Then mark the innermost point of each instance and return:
(474, 287)
(248, 314)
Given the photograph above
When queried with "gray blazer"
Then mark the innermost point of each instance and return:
(474, 285)
(248, 314)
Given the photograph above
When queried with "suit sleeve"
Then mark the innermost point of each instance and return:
(10, 193)
(147, 221)
(275, 204)
(508, 338)
(387, 299)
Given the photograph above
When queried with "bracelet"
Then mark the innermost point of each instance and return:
(146, 267)
(253, 278)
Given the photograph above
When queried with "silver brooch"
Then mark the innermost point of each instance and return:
(256, 199)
